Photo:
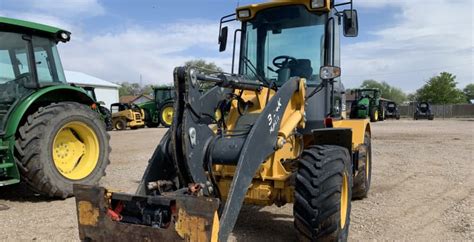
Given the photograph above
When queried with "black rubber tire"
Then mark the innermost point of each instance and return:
(120, 124)
(107, 116)
(361, 180)
(34, 141)
(166, 105)
(382, 114)
(372, 114)
(318, 193)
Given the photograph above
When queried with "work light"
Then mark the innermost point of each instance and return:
(317, 3)
(329, 72)
(244, 13)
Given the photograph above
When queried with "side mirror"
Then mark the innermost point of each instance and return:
(351, 25)
(223, 38)
(329, 72)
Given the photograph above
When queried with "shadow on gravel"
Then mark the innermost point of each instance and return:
(256, 225)
(21, 193)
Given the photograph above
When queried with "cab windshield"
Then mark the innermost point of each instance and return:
(15, 62)
(276, 38)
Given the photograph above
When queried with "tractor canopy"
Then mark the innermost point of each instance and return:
(29, 60)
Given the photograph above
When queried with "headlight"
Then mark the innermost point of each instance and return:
(329, 72)
(244, 13)
(63, 36)
(317, 3)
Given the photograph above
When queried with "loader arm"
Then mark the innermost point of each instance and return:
(260, 143)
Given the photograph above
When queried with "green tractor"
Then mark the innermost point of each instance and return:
(50, 134)
(160, 110)
(367, 103)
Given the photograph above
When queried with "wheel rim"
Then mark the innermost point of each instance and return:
(376, 115)
(167, 115)
(344, 200)
(75, 150)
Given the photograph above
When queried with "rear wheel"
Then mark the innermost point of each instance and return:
(120, 124)
(381, 114)
(107, 116)
(364, 174)
(323, 194)
(62, 144)
(166, 114)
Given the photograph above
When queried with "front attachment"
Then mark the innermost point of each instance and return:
(107, 216)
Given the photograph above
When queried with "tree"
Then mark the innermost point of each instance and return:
(469, 91)
(203, 66)
(388, 92)
(441, 89)
(129, 89)
(134, 89)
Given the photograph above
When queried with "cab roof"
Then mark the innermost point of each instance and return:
(255, 8)
(22, 26)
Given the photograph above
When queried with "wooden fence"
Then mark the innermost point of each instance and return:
(442, 111)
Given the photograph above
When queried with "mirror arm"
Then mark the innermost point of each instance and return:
(233, 49)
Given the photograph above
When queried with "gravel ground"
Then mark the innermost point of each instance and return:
(422, 189)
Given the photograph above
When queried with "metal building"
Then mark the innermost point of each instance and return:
(105, 91)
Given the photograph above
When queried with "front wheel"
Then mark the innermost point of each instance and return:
(323, 192)
(166, 114)
(374, 115)
(61, 144)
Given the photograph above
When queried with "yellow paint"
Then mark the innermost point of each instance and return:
(358, 126)
(344, 200)
(133, 118)
(215, 228)
(192, 228)
(167, 115)
(75, 150)
(270, 182)
(255, 8)
(88, 215)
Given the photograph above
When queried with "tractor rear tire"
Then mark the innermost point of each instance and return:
(39, 144)
(107, 116)
(364, 176)
(323, 186)
(120, 124)
(165, 120)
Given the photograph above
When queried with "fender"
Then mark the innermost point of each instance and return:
(358, 127)
(47, 94)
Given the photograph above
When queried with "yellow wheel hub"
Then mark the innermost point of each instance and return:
(376, 115)
(167, 115)
(75, 150)
(344, 200)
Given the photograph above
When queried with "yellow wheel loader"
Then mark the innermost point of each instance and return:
(272, 133)
(127, 115)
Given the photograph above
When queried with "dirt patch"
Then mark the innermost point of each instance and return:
(422, 189)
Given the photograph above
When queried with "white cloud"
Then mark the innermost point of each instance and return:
(426, 38)
(152, 53)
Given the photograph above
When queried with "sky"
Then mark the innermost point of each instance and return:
(402, 42)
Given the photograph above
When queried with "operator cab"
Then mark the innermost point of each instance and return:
(280, 40)
(276, 48)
